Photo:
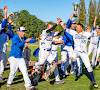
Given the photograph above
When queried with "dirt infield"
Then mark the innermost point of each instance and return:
(32, 63)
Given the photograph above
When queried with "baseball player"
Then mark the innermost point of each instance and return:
(93, 42)
(66, 48)
(80, 47)
(26, 54)
(98, 52)
(54, 52)
(4, 40)
(45, 50)
(57, 39)
(16, 59)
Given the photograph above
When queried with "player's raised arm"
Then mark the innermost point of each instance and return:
(4, 22)
(94, 24)
(11, 14)
(5, 9)
(52, 28)
(75, 12)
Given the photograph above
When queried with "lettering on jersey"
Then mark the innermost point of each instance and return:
(83, 41)
(80, 37)
(48, 40)
(42, 43)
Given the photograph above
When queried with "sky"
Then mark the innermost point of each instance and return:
(46, 10)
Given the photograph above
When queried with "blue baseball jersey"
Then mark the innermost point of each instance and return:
(68, 39)
(18, 45)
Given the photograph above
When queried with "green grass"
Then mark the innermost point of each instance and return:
(71, 82)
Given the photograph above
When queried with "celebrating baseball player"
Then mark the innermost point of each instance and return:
(45, 50)
(4, 40)
(16, 59)
(66, 48)
(80, 47)
(93, 42)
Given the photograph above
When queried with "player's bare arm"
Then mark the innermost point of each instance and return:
(11, 14)
(75, 12)
(5, 9)
(58, 42)
(94, 24)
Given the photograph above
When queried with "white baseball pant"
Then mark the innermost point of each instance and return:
(97, 54)
(16, 63)
(84, 57)
(66, 51)
(56, 72)
(3, 62)
(43, 55)
(92, 49)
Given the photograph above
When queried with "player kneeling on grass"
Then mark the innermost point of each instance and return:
(16, 59)
(80, 43)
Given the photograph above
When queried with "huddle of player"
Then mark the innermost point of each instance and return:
(73, 48)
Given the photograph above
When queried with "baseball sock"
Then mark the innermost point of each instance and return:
(92, 76)
(75, 68)
(62, 68)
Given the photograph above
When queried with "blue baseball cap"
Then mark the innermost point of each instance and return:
(21, 29)
(73, 22)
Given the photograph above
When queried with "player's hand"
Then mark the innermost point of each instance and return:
(63, 42)
(9, 20)
(38, 39)
(11, 14)
(27, 40)
(59, 21)
(5, 9)
(75, 12)
(96, 17)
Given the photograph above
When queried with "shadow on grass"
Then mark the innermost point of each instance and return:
(7, 68)
(18, 78)
(18, 82)
(2, 83)
(85, 72)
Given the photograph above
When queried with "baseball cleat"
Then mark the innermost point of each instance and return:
(67, 74)
(46, 78)
(58, 82)
(1, 78)
(30, 88)
(72, 72)
(8, 85)
(95, 84)
(35, 82)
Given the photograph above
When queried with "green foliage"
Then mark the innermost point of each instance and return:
(82, 12)
(33, 25)
(98, 13)
(92, 12)
(1, 14)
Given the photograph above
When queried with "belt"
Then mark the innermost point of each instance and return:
(48, 49)
(94, 43)
(54, 50)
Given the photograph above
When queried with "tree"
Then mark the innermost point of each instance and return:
(98, 13)
(92, 12)
(82, 12)
(33, 25)
(1, 14)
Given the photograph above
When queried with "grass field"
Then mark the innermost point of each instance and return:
(71, 82)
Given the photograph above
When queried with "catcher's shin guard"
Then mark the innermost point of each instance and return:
(50, 70)
(37, 71)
